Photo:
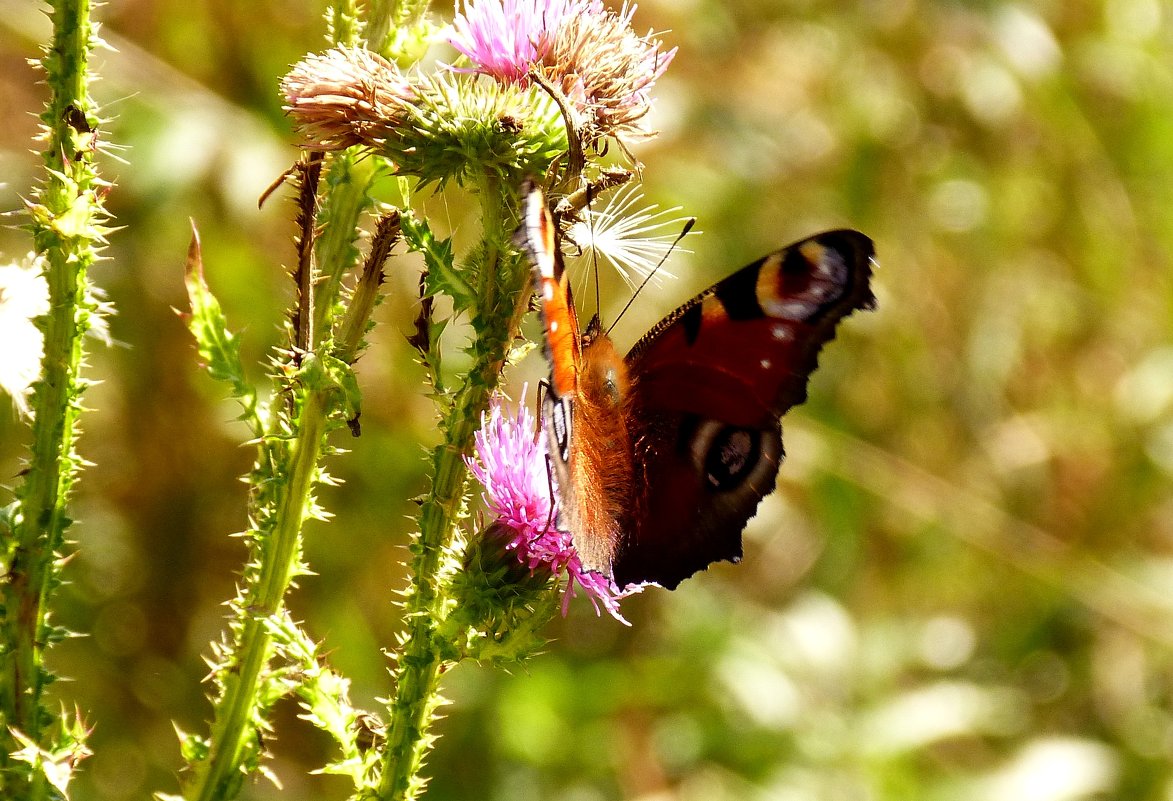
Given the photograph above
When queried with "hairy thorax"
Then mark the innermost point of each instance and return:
(602, 461)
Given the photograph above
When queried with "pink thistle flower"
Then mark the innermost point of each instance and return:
(511, 466)
(588, 54)
(506, 38)
(607, 71)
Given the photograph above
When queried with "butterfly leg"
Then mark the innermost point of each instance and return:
(553, 500)
(543, 389)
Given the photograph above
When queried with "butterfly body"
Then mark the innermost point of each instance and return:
(589, 389)
(599, 465)
(662, 456)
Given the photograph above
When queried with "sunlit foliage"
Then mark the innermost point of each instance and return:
(964, 586)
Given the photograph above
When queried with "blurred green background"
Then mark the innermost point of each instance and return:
(963, 587)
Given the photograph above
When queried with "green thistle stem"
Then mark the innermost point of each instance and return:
(292, 471)
(348, 182)
(219, 776)
(500, 291)
(393, 23)
(67, 230)
(346, 26)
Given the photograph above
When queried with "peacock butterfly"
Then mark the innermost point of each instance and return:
(662, 456)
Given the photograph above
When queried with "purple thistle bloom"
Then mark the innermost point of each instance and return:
(511, 465)
(505, 38)
(588, 54)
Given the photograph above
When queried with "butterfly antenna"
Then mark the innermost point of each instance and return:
(688, 224)
(590, 199)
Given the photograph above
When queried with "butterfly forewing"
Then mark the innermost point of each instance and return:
(559, 319)
(743, 349)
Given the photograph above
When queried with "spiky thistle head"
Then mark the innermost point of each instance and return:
(463, 127)
(430, 126)
(506, 38)
(346, 96)
(590, 55)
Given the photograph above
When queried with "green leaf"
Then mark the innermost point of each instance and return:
(219, 348)
(335, 378)
(435, 357)
(442, 277)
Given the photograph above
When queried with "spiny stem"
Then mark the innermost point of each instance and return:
(420, 664)
(346, 24)
(348, 180)
(309, 172)
(385, 17)
(67, 231)
(217, 777)
(362, 300)
(291, 470)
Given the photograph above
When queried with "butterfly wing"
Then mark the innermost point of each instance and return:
(710, 384)
(538, 237)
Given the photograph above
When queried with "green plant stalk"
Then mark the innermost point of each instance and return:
(365, 296)
(420, 663)
(67, 230)
(386, 16)
(345, 23)
(349, 180)
(217, 776)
